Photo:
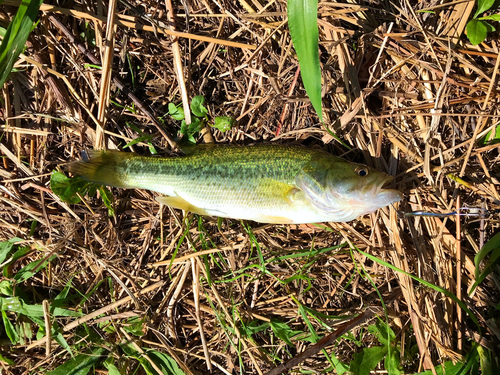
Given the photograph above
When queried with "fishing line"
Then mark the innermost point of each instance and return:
(462, 211)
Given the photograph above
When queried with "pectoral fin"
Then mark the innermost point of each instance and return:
(181, 204)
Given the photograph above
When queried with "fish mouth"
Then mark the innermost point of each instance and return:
(381, 196)
(388, 196)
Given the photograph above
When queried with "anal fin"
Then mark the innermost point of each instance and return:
(269, 219)
(181, 204)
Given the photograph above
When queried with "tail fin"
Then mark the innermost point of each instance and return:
(102, 167)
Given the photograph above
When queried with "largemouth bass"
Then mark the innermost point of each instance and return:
(265, 183)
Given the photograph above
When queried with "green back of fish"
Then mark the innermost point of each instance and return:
(209, 166)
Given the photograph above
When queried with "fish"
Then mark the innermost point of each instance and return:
(275, 184)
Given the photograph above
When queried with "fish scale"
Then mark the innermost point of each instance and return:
(264, 183)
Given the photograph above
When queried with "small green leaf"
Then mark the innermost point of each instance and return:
(112, 369)
(476, 31)
(134, 326)
(483, 6)
(33, 227)
(18, 254)
(392, 361)
(255, 326)
(486, 363)
(493, 17)
(10, 330)
(177, 112)
(367, 360)
(65, 291)
(6, 288)
(195, 126)
(137, 140)
(303, 24)
(489, 27)
(283, 331)
(107, 198)
(190, 130)
(197, 106)
(9, 361)
(223, 123)
(383, 332)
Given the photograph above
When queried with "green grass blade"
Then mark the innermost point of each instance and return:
(491, 247)
(17, 34)
(427, 284)
(303, 24)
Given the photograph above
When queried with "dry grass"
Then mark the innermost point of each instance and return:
(393, 89)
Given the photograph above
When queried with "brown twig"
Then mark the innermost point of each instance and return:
(329, 339)
(116, 81)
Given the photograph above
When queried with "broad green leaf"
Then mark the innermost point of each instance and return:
(493, 247)
(165, 363)
(66, 188)
(476, 31)
(32, 268)
(223, 123)
(450, 368)
(493, 17)
(16, 35)
(10, 330)
(177, 112)
(6, 247)
(197, 106)
(58, 336)
(303, 24)
(483, 6)
(367, 360)
(491, 137)
(82, 364)
(17, 305)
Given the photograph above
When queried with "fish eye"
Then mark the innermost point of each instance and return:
(361, 171)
